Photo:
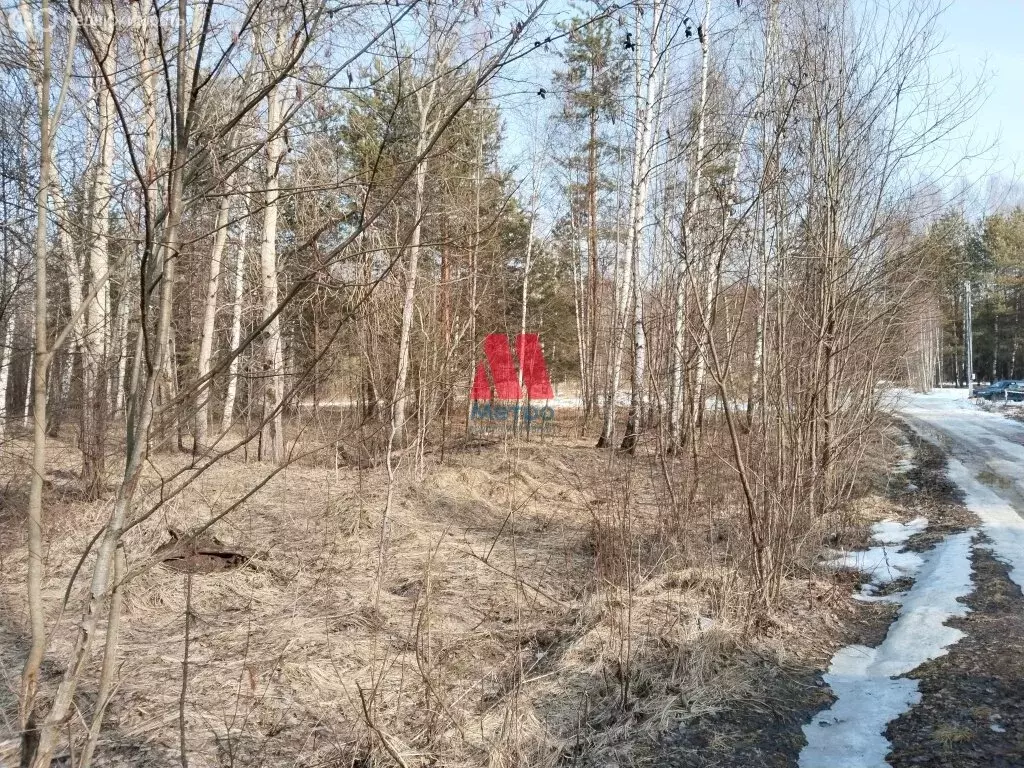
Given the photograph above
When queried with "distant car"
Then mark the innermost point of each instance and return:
(1005, 389)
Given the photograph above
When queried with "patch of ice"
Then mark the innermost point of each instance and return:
(999, 520)
(992, 444)
(884, 563)
(895, 532)
(866, 682)
(868, 594)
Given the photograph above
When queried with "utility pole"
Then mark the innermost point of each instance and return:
(968, 336)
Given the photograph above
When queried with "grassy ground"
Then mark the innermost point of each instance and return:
(533, 604)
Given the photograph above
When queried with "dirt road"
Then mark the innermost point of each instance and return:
(986, 461)
(942, 689)
(971, 711)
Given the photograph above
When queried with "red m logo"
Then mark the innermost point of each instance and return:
(503, 371)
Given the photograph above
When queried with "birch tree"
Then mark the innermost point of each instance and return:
(97, 317)
(646, 83)
(240, 243)
(221, 227)
(272, 445)
(688, 245)
(438, 47)
(40, 66)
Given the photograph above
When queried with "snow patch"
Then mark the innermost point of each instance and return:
(895, 532)
(993, 448)
(869, 692)
(999, 520)
(885, 562)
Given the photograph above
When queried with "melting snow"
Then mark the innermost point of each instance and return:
(991, 445)
(895, 532)
(866, 681)
(884, 562)
(999, 520)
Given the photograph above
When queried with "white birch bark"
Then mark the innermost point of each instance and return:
(525, 297)
(272, 442)
(34, 510)
(399, 405)
(5, 376)
(657, 63)
(646, 109)
(581, 317)
(97, 320)
(474, 252)
(208, 330)
(27, 410)
(758, 380)
(119, 343)
(238, 292)
(691, 212)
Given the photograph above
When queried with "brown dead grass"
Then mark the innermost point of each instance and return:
(539, 602)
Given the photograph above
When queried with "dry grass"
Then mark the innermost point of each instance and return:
(948, 735)
(539, 602)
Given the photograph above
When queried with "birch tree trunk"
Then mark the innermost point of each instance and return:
(119, 343)
(97, 325)
(691, 208)
(769, 152)
(581, 316)
(652, 106)
(646, 112)
(5, 377)
(399, 405)
(207, 332)
(473, 254)
(995, 347)
(34, 512)
(697, 395)
(238, 292)
(757, 375)
(588, 377)
(524, 302)
(73, 270)
(27, 408)
(272, 443)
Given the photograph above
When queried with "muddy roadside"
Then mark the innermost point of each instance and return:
(767, 728)
(972, 708)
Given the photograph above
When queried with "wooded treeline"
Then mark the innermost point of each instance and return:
(220, 218)
(980, 260)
